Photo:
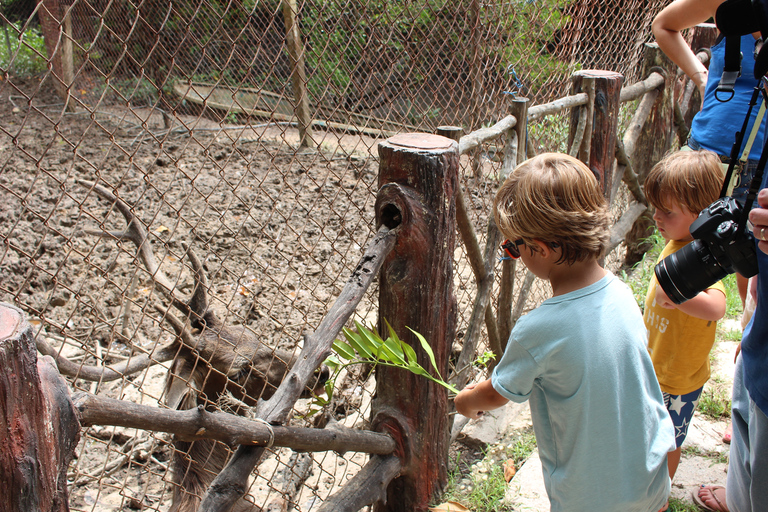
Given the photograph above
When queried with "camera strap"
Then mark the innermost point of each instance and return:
(731, 68)
(754, 185)
(734, 157)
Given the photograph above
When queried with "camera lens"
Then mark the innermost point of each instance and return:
(685, 273)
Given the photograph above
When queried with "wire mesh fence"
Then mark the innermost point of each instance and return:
(187, 112)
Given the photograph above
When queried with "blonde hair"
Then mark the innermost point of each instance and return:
(556, 199)
(691, 179)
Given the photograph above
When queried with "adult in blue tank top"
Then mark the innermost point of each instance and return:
(714, 128)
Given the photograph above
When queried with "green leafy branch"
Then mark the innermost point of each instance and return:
(367, 347)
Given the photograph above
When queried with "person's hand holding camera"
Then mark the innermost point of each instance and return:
(759, 219)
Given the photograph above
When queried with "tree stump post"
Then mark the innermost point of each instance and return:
(653, 143)
(600, 120)
(39, 429)
(703, 37)
(418, 179)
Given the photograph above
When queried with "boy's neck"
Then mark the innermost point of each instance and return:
(566, 278)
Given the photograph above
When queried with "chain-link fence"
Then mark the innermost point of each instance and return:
(186, 111)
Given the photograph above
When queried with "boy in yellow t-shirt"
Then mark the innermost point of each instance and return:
(680, 336)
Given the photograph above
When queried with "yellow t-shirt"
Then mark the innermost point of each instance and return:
(679, 344)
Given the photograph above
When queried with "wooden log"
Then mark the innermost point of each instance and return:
(654, 141)
(38, 425)
(599, 145)
(56, 25)
(367, 486)
(193, 424)
(417, 182)
(482, 268)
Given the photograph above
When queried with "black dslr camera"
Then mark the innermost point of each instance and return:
(720, 247)
(723, 243)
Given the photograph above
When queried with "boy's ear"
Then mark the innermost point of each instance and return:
(543, 248)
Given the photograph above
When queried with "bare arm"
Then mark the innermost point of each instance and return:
(707, 305)
(476, 398)
(678, 16)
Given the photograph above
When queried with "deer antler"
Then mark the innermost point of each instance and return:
(137, 234)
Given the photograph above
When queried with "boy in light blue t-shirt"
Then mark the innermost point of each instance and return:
(580, 358)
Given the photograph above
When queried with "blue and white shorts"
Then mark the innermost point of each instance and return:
(681, 408)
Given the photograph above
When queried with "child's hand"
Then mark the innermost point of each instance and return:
(463, 403)
(663, 300)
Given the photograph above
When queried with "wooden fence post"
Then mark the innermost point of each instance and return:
(519, 109)
(654, 141)
(418, 179)
(594, 125)
(39, 429)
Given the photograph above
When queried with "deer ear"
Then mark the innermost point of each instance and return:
(178, 393)
(175, 392)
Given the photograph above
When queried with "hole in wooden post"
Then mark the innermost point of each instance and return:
(391, 216)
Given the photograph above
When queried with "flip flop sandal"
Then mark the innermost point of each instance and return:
(721, 507)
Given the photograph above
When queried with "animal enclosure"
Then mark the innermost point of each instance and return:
(278, 210)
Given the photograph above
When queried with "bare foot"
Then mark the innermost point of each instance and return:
(710, 497)
(728, 433)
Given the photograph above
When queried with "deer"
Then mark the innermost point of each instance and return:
(214, 364)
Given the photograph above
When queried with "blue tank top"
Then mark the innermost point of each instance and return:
(715, 126)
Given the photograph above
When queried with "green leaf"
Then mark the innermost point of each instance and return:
(428, 350)
(362, 345)
(395, 350)
(344, 350)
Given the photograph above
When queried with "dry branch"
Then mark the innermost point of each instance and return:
(112, 372)
(624, 224)
(366, 487)
(472, 140)
(230, 429)
(554, 107)
(638, 121)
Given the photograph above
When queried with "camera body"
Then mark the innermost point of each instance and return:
(720, 247)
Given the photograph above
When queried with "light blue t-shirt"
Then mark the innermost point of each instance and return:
(601, 427)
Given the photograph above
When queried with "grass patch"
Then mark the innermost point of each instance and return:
(678, 505)
(733, 306)
(640, 275)
(715, 400)
(694, 451)
(484, 488)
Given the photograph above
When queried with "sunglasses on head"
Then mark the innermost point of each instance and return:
(511, 248)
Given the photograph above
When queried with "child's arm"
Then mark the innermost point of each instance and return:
(476, 398)
(707, 305)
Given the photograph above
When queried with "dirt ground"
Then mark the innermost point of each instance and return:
(278, 228)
